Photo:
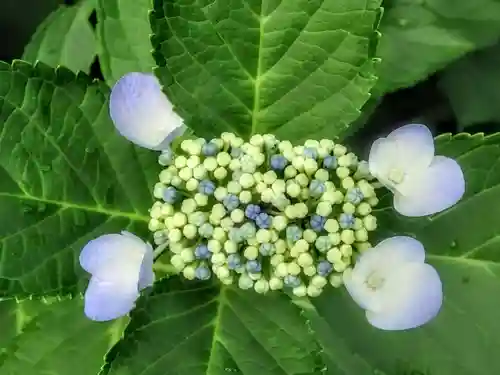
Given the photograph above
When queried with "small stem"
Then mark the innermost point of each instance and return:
(159, 251)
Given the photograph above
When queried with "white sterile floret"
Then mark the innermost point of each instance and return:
(190, 231)
(394, 285)
(121, 266)
(405, 162)
(324, 209)
(220, 173)
(210, 164)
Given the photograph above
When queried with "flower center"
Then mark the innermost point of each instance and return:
(396, 176)
(374, 281)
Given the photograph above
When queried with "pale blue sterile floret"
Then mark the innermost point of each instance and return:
(121, 266)
(324, 268)
(206, 187)
(330, 162)
(266, 249)
(202, 252)
(253, 266)
(233, 261)
(209, 149)
(278, 162)
(355, 195)
(252, 211)
(231, 202)
(263, 220)
(206, 230)
(310, 152)
(316, 188)
(202, 273)
(346, 221)
(291, 281)
(170, 195)
(293, 233)
(318, 223)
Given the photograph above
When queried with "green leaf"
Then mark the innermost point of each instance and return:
(463, 244)
(123, 31)
(421, 37)
(471, 85)
(65, 38)
(298, 69)
(66, 177)
(55, 338)
(195, 328)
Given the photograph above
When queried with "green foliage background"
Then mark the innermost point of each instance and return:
(66, 177)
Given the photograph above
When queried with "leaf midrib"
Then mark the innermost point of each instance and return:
(256, 95)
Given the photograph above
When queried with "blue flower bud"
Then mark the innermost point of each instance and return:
(293, 233)
(233, 261)
(324, 268)
(330, 162)
(206, 187)
(236, 152)
(318, 223)
(291, 281)
(252, 211)
(202, 273)
(346, 221)
(316, 188)
(231, 202)
(355, 195)
(202, 252)
(263, 220)
(253, 266)
(310, 152)
(278, 162)
(170, 195)
(266, 249)
(209, 149)
(206, 230)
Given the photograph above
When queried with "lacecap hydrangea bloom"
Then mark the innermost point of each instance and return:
(264, 214)
(267, 215)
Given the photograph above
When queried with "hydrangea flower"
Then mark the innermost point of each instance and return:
(121, 266)
(422, 183)
(394, 285)
(142, 113)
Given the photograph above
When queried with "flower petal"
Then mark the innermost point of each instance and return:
(114, 256)
(146, 275)
(357, 289)
(389, 254)
(142, 113)
(106, 300)
(438, 188)
(409, 149)
(410, 297)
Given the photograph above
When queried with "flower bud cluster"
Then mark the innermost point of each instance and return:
(264, 214)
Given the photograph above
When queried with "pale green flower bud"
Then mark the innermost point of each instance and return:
(336, 280)
(319, 281)
(311, 143)
(290, 171)
(282, 270)
(290, 212)
(223, 273)
(310, 166)
(361, 235)
(245, 282)
(347, 236)
(192, 184)
(220, 193)
(227, 137)
(312, 291)
(218, 258)
(302, 180)
(237, 216)
(301, 210)
(349, 208)
(180, 161)
(280, 246)
(370, 222)
(261, 286)
(219, 234)
(190, 231)
(169, 223)
(277, 259)
(340, 266)
(293, 268)
(165, 176)
(176, 181)
(214, 246)
(344, 160)
(309, 271)
(334, 255)
(324, 209)
(247, 180)
(201, 199)
(251, 252)
(327, 143)
(342, 172)
(179, 219)
(199, 172)
(193, 161)
(298, 163)
(323, 152)
(155, 212)
(339, 150)
(220, 173)
(293, 189)
(309, 235)
(187, 255)
(289, 155)
(279, 186)
(270, 177)
(285, 145)
(332, 226)
(214, 220)
(267, 196)
(260, 187)
(177, 262)
(223, 159)
(256, 140)
(230, 247)
(364, 209)
(188, 206)
(305, 260)
(234, 165)
(300, 291)
(334, 238)
(373, 201)
(226, 223)
(363, 246)
(346, 250)
(348, 183)
(329, 196)
(218, 211)
(189, 273)
(275, 283)
(263, 236)
(322, 175)
(210, 164)
(233, 187)
(185, 144)
(245, 197)
(167, 209)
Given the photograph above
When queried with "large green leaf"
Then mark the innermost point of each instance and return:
(299, 69)
(65, 177)
(65, 38)
(54, 338)
(471, 85)
(463, 243)
(123, 31)
(421, 37)
(196, 329)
